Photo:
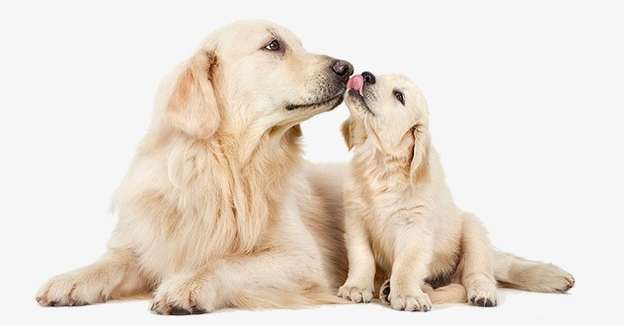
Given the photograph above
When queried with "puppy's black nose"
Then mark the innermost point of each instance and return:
(342, 68)
(369, 78)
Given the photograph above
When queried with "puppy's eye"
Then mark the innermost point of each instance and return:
(274, 45)
(399, 96)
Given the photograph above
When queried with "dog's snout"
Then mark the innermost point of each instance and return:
(342, 68)
(369, 78)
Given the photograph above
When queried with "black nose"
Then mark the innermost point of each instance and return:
(342, 68)
(369, 78)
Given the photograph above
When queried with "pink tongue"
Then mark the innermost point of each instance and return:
(356, 83)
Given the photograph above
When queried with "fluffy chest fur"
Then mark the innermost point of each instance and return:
(188, 202)
(380, 193)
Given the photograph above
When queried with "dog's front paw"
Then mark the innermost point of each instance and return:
(418, 301)
(184, 295)
(77, 288)
(358, 294)
(482, 293)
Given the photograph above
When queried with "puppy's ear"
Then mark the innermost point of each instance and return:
(419, 165)
(353, 132)
(192, 107)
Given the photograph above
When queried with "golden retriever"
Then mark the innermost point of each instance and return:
(399, 212)
(216, 209)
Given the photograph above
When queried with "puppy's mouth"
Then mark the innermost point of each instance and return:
(358, 99)
(331, 102)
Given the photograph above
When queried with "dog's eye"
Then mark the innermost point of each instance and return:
(399, 96)
(274, 45)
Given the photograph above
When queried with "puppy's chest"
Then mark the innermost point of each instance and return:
(386, 193)
(386, 223)
(391, 204)
(389, 207)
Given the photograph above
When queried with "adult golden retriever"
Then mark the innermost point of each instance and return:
(218, 208)
(400, 214)
(213, 210)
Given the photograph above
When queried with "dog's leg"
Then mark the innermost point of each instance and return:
(477, 263)
(270, 279)
(360, 282)
(413, 254)
(115, 275)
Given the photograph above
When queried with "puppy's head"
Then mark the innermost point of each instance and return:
(391, 113)
(252, 76)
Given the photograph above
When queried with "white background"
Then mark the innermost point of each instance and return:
(526, 102)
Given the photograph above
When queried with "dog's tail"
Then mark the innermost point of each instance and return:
(515, 272)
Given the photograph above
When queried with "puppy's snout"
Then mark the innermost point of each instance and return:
(342, 68)
(369, 78)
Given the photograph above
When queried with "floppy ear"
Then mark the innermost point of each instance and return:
(419, 165)
(353, 132)
(192, 106)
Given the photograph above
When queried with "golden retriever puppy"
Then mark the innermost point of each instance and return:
(399, 212)
(217, 209)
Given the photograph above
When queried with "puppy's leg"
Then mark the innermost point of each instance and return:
(115, 275)
(413, 253)
(477, 263)
(271, 279)
(361, 278)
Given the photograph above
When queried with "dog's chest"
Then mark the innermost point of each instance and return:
(203, 217)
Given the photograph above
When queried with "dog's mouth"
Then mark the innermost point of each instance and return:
(360, 102)
(331, 102)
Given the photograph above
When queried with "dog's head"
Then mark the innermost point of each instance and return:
(250, 77)
(390, 112)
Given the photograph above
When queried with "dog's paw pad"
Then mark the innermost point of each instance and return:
(483, 302)
(75, 289)
(183, 296)
(411, 302)
(355, 293)
(482, 294)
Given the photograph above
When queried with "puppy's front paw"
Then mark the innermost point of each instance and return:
(482, 293)
(418, 301)
(357, 294)
(77, 288)
(184, 295)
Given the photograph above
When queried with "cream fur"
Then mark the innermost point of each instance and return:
(218, 209)
(400, 215)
